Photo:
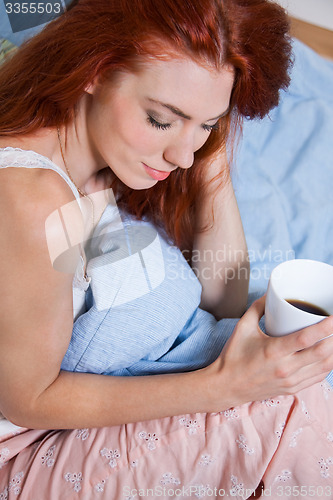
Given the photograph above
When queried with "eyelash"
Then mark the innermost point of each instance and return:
(166, 126)
(158, 125)
(210, 128)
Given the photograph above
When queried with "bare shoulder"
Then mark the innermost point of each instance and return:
(43, 188)
(41, 211)
(28, 197)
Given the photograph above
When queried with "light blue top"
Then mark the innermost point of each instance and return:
(143, 306)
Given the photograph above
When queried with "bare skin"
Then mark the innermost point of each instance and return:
(36, 309)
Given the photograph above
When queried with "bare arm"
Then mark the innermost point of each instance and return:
(36, 325)
(251, 367)
(220, 253)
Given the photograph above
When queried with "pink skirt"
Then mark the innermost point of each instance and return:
(286, 442)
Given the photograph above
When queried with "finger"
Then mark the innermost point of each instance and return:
(306, 380)
(308, 337)
(307, 367)
(256, 310)
(318, 357)
(315, 380)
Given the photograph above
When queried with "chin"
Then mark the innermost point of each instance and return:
(139, 185)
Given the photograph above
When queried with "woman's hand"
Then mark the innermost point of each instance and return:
(254, 366)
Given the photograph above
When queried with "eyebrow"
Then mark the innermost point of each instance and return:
(180, 113)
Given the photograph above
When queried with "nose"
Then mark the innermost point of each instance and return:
(180, 152)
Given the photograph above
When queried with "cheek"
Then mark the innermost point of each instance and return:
(140, 138)
(129, 131)
(201, 139)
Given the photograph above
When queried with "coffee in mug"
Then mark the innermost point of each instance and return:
(307, 307)
(299, 294)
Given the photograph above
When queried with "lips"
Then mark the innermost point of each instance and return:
(157, 175)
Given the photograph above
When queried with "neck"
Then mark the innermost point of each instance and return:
(85, 167)
(75, 154)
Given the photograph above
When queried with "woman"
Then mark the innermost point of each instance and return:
(141, 95)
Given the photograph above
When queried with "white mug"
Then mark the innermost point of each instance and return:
(309, 282)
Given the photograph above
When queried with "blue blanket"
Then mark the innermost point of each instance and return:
(143, 307)
(283, 176)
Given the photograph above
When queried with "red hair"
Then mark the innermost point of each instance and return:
(42, 83)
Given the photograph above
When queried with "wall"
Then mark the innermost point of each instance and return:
(319, 12)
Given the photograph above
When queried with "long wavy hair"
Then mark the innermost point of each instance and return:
(42, 83)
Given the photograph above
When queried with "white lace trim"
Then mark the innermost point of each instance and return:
(20, 158)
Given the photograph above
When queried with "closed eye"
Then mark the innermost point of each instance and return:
(158, 125)
(209, 128)
(165, 126)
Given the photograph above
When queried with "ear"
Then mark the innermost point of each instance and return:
(91, 87)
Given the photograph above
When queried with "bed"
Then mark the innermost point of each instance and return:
(283, 174)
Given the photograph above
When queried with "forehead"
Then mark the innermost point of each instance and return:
(183, 83)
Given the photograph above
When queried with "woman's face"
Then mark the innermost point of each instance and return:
(152, 122)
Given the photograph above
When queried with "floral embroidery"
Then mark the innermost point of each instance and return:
(199, 489)
(192, 425)
(99, 487)
(168, 478)
(271, 402)
(241, 441)
(280, 431)
(284, 476)
(75, 478)
(324, 466)
(305, 410)
(111, 455)
(206, 460)
(15, 482)
(330, 437)
(327, 389)
(149, 438)
(47, 458)
(82, 434)
(4, 453)
(230, 414)
(134, 463)
(13, 485)
(294, 437)
(238, 488)
(4, 494)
